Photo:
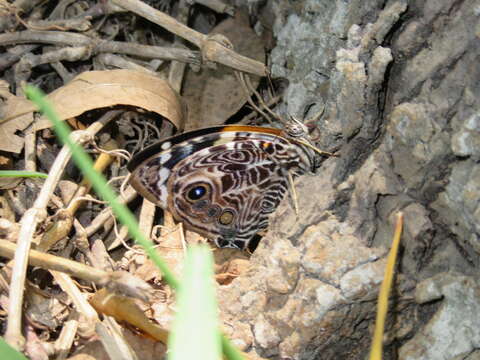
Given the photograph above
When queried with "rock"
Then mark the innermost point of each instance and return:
(466, 141)
(453, 331)
(459, 204)
(306, 44)
(400, 93)
(295, 294)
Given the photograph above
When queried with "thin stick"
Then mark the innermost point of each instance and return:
(211, 49)
(177, 69)
(249, 85)
(66, 338)
(128, 195)
(29, 221)
(245, 88)
(79, 300)
(30, 149)
(79, 41)
(57, 263)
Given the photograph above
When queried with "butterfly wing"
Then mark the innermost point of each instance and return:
(221, 183)
(226, 192)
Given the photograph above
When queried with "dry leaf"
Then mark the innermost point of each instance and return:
(7, 221)
(5, 162)
(213, 96)
(11, 142)
(47, 311)
(8, 183)
(92, 90)
(96, 89)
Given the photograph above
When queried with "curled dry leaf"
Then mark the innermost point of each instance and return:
(213, 95)
(92, 90)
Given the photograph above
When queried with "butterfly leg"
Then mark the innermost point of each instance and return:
(294, 192)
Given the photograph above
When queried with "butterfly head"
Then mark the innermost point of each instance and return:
(295, 128)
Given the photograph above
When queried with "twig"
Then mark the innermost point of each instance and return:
(112, 340)
(247, 91)
(36, 214)
(147, 214)
(62, 71)
(96, 46)
(177, 69)
(64, 222)
(57, 263)
(212, 50)
(106, 213)
(252, 89)
(273, 101)
(77, 24)
(119, 281)
(123, 63)
(294, 192)
(19, 5)
(65, 340)
(30, 149)
(79, 301)
(13, 54)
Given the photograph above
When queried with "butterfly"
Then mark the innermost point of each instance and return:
(223, 182)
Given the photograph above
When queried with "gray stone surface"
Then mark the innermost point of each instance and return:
(454, 331)
(399, 82)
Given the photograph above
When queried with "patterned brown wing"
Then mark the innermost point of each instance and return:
(226, 192)
(221, 182)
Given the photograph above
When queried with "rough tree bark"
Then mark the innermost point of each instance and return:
(399, 85)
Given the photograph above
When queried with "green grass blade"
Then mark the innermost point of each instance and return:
(22, 174)
(195, 329)
(9, 353)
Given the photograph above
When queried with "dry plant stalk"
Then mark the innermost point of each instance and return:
(212, 50)
(67, 335)
(61, 228)
(114, 343)
(56, 263)
(32, 217)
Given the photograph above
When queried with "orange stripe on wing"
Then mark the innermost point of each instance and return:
(257, 129)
